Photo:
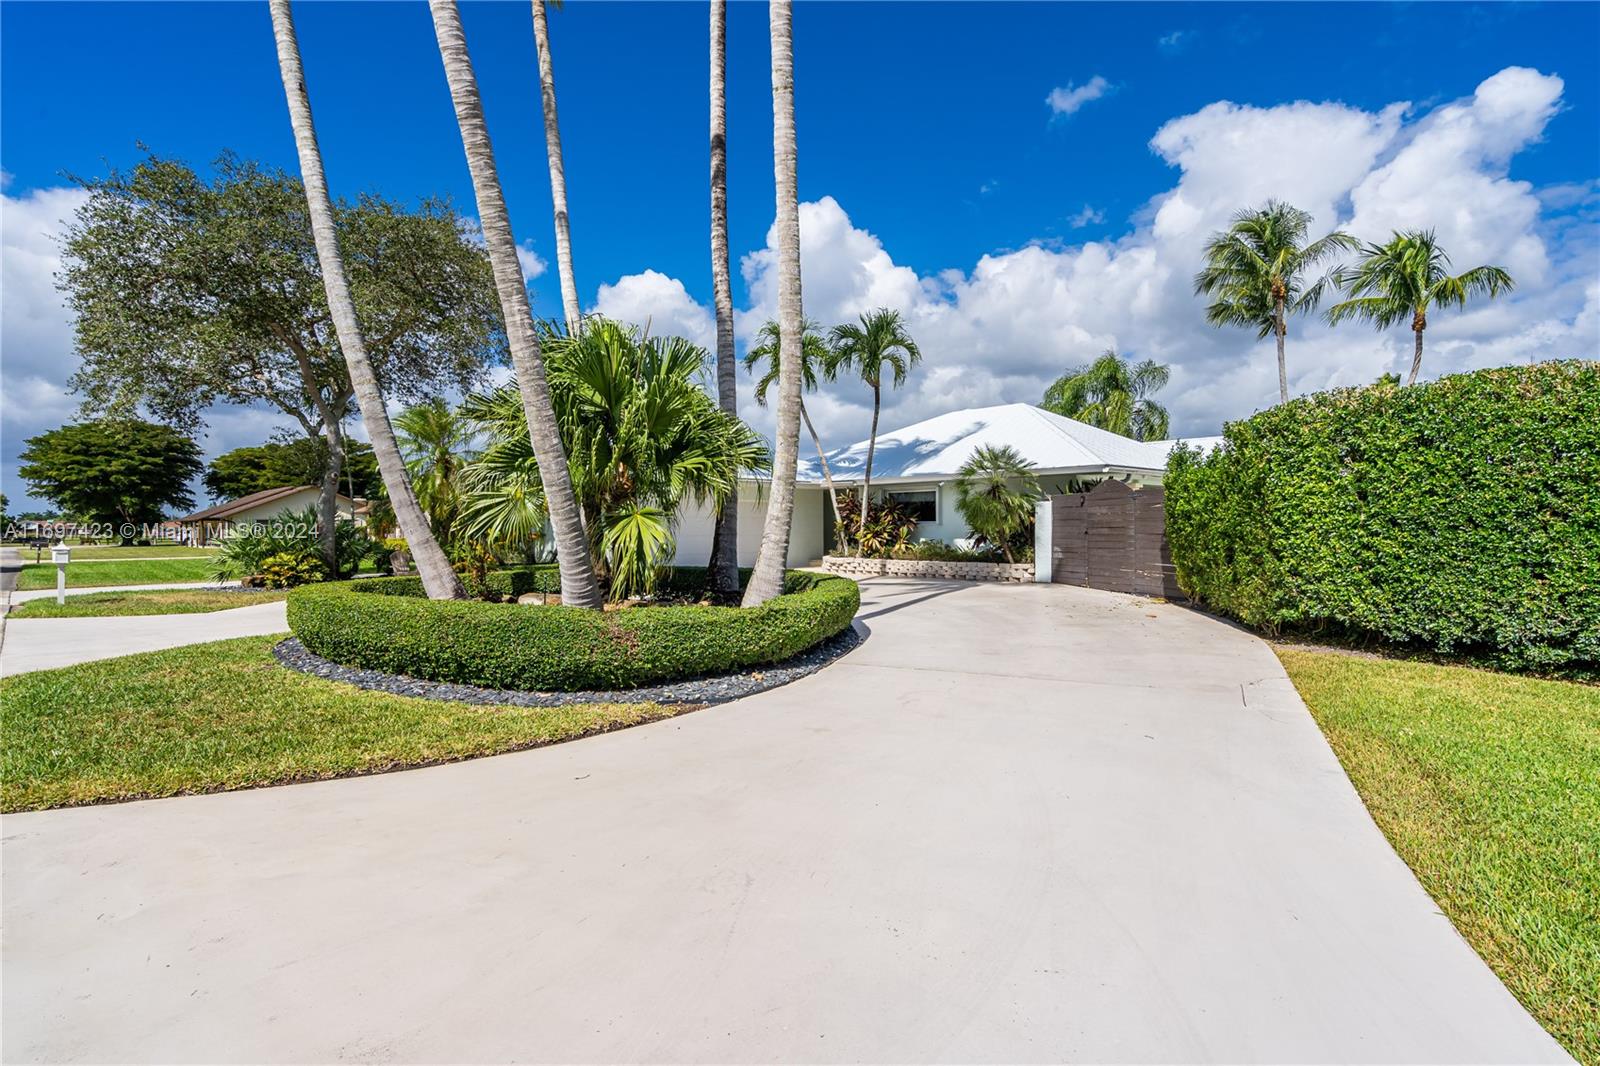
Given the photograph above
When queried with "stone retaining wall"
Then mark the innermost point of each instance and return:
(850, 566)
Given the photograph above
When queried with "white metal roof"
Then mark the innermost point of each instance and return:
(938, 446)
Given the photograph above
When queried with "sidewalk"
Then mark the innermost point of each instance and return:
(45, 643)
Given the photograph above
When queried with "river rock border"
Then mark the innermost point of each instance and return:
(696, 691)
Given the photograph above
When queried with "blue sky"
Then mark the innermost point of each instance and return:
(927, 149)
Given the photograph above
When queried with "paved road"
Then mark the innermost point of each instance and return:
(1017, 824)
(44, 643)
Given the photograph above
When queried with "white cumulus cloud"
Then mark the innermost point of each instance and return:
(1067, 100)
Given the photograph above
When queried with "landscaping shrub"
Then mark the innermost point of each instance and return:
(1462, 516)
(385, 624)
(890, 525)
(291, 569)
(248, 546)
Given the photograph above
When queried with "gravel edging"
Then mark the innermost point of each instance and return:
(699, 691)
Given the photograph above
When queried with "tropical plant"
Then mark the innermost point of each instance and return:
(579, 587)
(723, 568)
(432, 564)
(437, 442)
(1114, 394)
(878, 343)
(288, 570)
(995, 492)
(889, 529)
(246, 548)
(1402, 279)
(641, 434)
(814, 354)
(767, 576)
(558, 170)
(1257, 269)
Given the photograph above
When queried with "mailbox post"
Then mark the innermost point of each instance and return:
(60, 554)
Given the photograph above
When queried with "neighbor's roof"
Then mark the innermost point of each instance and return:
(255, 499)
(937, 447)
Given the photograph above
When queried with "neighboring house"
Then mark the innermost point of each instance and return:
(211, 524)
(918, 465)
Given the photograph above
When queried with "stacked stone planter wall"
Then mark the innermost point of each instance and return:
(850, 566)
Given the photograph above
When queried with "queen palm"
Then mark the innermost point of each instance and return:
(1402, 279)
(438, 579)
(578, 585)
(1113, 394)
(876, 345)
(558, 170)
(814, 356)
(1257, 269)
(725, 537)
(436, 442)
(766, 579)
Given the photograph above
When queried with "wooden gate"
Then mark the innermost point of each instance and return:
(1114, 538)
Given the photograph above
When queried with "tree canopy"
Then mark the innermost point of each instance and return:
(112, 471)
(1114, 394)
(295, 461)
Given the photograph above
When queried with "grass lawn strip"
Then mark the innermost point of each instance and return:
(1488, 786)
(211, 717)
(143, 602)
(120, 572)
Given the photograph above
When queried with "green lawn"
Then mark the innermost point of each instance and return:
(220, 716)
(163, 601)
(1488, 785)
(114, 551)
(94, 574)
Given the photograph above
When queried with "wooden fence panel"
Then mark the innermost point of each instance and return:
(1114, 538)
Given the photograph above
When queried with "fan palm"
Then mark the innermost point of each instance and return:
(1257, 271)
(1114, 394)
(724, 576)
(433, 566)
(995, 492)
(436, 442)
(767, 576)
(641, 437)
(814, 356)
(877, 345)
(578, 585)
(1402, 279)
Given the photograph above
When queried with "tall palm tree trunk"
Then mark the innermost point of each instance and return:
(438, 579)
(1419, 322)
(1283, 372)
(578, 585)
(827, 475)
(558, 171)
(767, 580)
(725, 537)
(866, 478)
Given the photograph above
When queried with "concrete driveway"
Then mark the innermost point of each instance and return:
(45, 643)
(1018, 824)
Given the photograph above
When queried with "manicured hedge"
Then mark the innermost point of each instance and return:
(385, 624)
(1462, 516)
(514, 581)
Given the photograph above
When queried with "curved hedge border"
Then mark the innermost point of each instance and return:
(385, 624)
(1461, 515)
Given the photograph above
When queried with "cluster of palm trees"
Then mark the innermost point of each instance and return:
(535, 466)
(1261, 270)
(877, 349)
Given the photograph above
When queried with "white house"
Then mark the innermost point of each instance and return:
(211, 524)
(918, 465)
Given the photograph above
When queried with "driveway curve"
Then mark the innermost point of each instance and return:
(1024, 823)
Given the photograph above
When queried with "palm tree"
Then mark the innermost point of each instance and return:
(1256, 269)
(436, 442)
(878, 343)
(558, 170)
(766, 580)
(995, 492)
(814, 354)
(1114, 394)
(724, 565)
(438, 579)
(1402, 279)
(578, 585)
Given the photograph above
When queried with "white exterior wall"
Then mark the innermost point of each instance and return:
(696, 525)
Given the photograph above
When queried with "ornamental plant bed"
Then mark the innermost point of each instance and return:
(385, 624)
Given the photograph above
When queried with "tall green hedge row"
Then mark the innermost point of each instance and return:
(386, 624)
(1461, 515)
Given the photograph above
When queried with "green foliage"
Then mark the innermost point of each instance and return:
(291, 569)
(113, 471)
(1461, 516)
(384, 624)
(1114, 395)
(814, 358)
(890, 525)
(1398, 281)
(995, 492)
(637, 547)
(437, 443)
(295, 461)
(940, 552)
(1257, 269)
(245, 551)
(878, 343)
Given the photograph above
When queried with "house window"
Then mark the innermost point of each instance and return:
(924, 503)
